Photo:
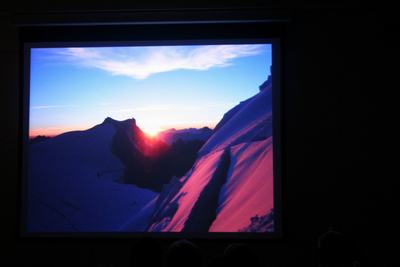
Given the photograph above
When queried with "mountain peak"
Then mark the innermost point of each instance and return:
(205, 129)
(131, 121)
(267, 84)
(109, 120)
(112, 121)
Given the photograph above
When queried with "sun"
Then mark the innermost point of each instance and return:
(151, 131)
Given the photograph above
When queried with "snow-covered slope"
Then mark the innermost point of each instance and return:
(230, 186)
(249, 189)
(171, 135)
(188, 194)
(252, 120)
(73, 185)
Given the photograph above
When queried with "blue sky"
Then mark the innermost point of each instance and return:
(160, 86)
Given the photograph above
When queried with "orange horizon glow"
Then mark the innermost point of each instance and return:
(151, 130)
(54, 131)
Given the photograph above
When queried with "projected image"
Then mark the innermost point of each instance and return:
(150, 139)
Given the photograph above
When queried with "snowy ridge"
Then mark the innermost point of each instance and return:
(73, 185)
(245, 124)
(247, 189)
(178, 208)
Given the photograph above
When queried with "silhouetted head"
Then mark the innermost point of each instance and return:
(240, 255)
(334, 249)
(146, 252)
(183, 253)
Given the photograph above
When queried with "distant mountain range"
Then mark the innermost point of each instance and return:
(171, 135)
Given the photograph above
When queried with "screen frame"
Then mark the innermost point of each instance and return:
(28, 43)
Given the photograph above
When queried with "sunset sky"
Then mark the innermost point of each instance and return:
(161, 87)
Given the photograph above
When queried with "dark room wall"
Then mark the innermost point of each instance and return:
(331, 55)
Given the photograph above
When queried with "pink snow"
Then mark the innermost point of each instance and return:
(249, 188)
(202, 173)
(243, 125)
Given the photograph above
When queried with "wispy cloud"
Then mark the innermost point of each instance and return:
(140, 63)
(101, 104)
(52, 106)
